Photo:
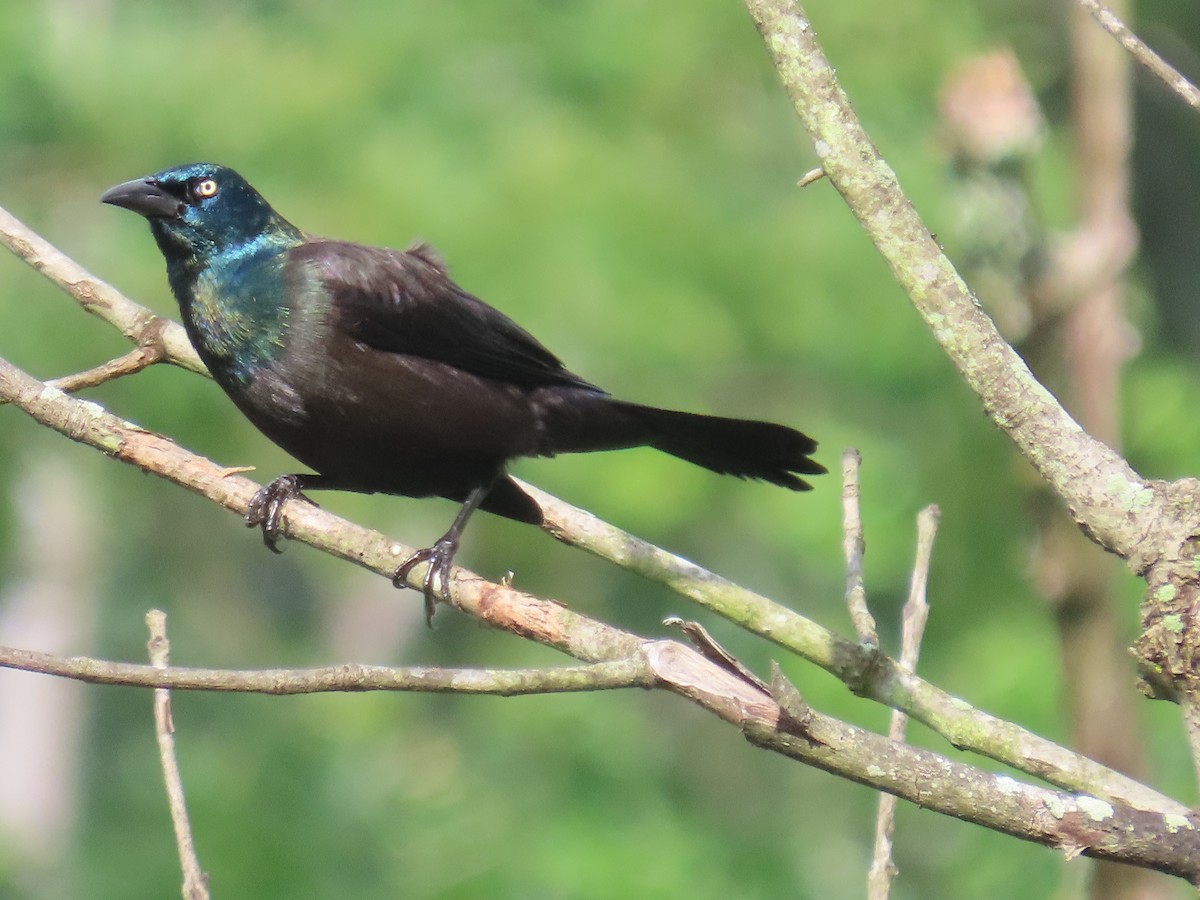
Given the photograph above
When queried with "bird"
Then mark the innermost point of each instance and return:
(377, 371)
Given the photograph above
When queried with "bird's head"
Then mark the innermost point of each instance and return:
(200, 210)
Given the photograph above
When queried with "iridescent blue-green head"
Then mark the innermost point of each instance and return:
(225, 249)
(200, 211)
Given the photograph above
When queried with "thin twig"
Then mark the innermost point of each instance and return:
(915, 614)
(195, 882)
(1168, 74)
(853, 546)
(130, 364)
(610, 675)
(98, 297)
(811, 176)
(916, 608)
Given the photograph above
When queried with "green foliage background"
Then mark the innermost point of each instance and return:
(620, 178)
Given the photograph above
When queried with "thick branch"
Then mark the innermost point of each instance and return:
(1073, 823)
(1168, 842)
(1108, 499)
(887, 682)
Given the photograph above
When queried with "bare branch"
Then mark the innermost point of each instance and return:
(98, 297)
(853, 547)
(889, 683)
(1107, 497)
(129, 364)
(1075, 822)
(553, 624)
(611, 675)
(195, 882)
(1072, 823)
(1167, 73)
(916, 608)
(810, 177)
(915, 614)
(1102, 828)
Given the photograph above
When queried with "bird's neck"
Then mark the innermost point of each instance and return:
(234, 304)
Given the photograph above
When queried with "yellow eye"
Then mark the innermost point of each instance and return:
(206, 188)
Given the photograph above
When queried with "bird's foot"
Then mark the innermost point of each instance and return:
(439, 556)
(266, 507)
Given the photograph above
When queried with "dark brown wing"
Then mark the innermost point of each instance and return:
(405, 302)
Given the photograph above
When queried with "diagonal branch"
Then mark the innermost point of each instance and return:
(888, 682)
(1168, 74)
(99, 297)
(1105, 495)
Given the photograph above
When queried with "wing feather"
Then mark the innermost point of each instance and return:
(404, 302)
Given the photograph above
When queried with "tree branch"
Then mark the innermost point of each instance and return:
(553, 624)
(853, 548)
(1106, 496)
(1073, 824)
(886, 681)
(601, 676)
(195, 882)
(872, 674)
(1108, 828)
(913, 618)
(98, 297)
(1167, 841)
(1154, 526)
(1168, 74)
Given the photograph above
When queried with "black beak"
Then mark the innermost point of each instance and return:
(144, 197)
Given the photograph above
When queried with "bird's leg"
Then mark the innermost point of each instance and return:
(266, 507)
(441, 554)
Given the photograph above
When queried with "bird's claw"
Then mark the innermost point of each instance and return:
(266, 508)
(440, 557)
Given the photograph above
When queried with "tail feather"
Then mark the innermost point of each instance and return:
(740, 447)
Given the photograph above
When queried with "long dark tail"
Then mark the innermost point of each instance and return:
(741, 447)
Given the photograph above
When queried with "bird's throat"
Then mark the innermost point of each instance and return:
(234, 307)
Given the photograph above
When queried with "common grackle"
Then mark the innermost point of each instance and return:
(372, 367)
